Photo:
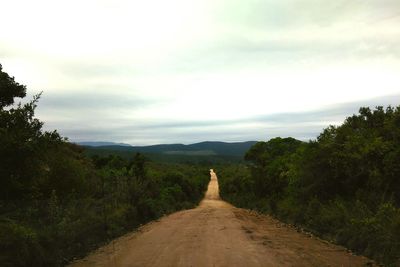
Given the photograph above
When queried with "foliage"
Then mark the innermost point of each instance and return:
(343, 186)
(204, 160)
(9, 89)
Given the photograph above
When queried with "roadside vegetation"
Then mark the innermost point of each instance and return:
(57, 203)
(344, 186)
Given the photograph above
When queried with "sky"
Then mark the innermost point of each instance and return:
(178, 71)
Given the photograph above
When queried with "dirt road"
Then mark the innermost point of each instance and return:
(218, 234)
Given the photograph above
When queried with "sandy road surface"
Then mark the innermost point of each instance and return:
(218, 234)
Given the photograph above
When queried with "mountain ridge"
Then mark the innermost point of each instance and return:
(204, 148)
(100, 143)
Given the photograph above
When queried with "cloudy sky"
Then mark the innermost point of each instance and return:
(146, 72)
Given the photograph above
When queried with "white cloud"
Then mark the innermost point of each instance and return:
(198, 60)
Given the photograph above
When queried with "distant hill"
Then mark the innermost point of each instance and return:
(97, 144)
(207, 148)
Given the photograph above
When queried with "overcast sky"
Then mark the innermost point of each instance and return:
(146, 72)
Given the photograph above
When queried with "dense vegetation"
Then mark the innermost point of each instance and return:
(57, 204)
(344, 186)
(205, 160)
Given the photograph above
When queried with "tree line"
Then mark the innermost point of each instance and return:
(343, 186)
(56, 203)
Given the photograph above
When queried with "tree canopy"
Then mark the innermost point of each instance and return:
(9, 89)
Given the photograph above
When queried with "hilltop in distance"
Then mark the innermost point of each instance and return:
(199, 149)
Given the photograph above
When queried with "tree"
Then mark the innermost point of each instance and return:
(269, 164)
(27, 153)
(137, 167)
(9, 89)
(17, 127)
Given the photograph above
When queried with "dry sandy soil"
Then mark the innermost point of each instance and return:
(218, 234)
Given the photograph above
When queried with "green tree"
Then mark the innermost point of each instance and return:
(269, 163)
(19, 136)
(9, 89)
(138, 166)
